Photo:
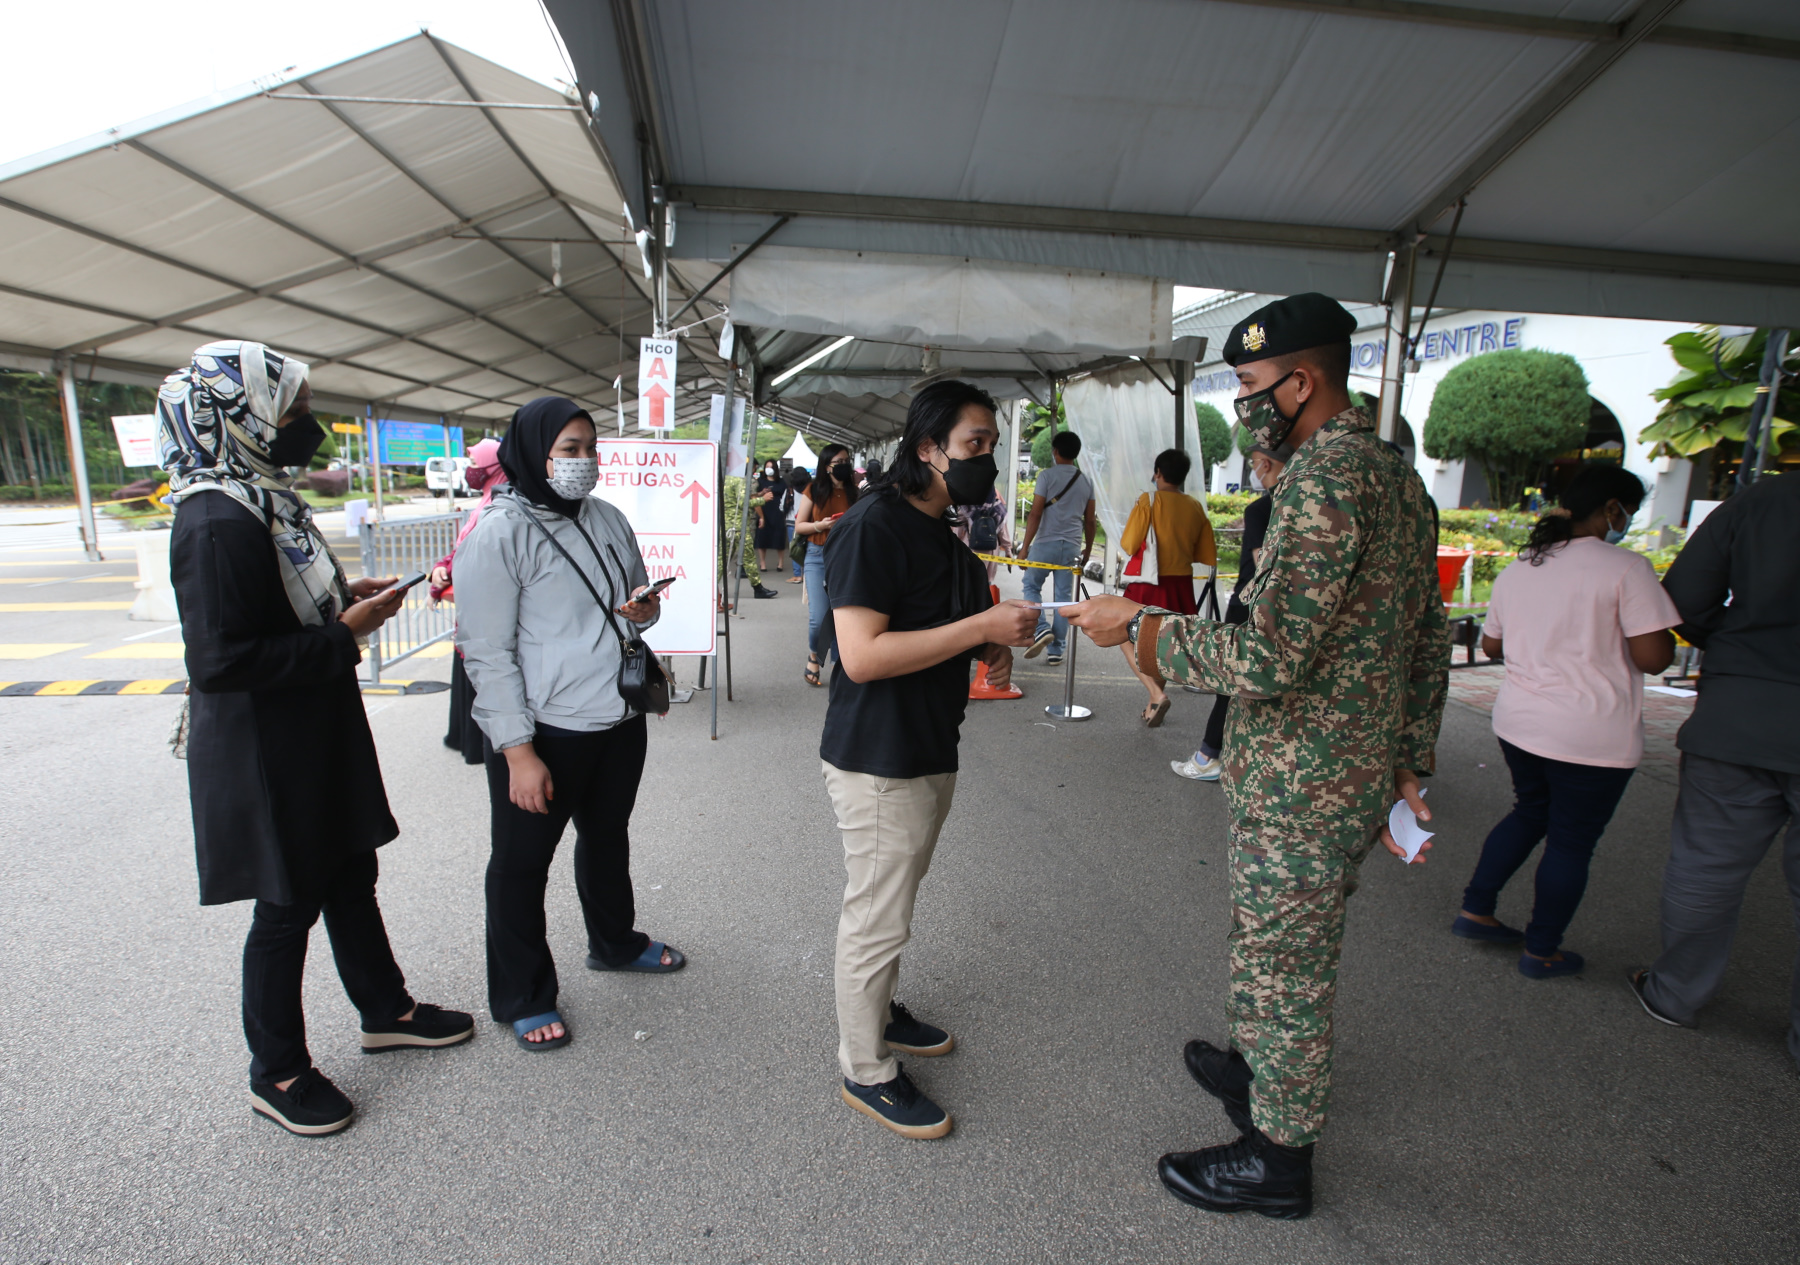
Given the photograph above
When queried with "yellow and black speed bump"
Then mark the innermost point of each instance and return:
(404, 687)
(87, 689)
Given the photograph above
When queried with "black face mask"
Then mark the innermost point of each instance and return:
(296, 442)
(971, 482)
(1268, 426)
(843, 472)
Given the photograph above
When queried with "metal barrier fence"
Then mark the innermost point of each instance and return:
(402, 547)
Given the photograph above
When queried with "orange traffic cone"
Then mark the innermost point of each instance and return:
(979, 688)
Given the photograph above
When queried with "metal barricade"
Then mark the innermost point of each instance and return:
(402, 547)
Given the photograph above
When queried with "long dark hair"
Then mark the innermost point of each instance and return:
(824, 482)
(1592, 487)
(931, 415)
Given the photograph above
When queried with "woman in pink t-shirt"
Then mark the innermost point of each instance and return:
(1580, 621)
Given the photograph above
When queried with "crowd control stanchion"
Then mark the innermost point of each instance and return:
(1068, 709)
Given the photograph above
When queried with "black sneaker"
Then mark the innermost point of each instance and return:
(910, 1036)
(1052, 659)
(429, 1026)
(1225, 1075)
(900, 1106)
(760, 591)
(310, 1106)
(1636, 981)
(1252, 1174)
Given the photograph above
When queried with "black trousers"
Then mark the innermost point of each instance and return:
(463, 734)
(594, 782)
(1214, 740)
(275, 962)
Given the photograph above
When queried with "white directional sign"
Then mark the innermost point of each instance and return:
(656, 384)
(667, 489)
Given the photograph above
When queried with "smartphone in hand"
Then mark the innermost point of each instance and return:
(404, 584)
(653, 590)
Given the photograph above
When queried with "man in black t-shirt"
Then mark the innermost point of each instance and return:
(911, 609)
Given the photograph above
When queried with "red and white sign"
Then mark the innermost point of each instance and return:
(136, 433)
(666, 488)
(656, 384)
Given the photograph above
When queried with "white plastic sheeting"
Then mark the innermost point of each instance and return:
(1125, 417)
(939, 301)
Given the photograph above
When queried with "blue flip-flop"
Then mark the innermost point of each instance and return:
(1538, 968)
(649, 961)
(1469, 929)
(521, 1026)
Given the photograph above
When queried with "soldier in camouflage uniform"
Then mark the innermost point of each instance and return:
(1339, 678)
(734, 526)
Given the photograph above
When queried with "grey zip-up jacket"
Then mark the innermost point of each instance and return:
(535, 645)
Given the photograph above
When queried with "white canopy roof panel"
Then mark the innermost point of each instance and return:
(425, 255)
(1618, 157)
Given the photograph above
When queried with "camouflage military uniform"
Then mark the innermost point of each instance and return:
(1339, 677)
(734, 525)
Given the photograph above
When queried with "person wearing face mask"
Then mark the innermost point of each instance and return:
(544, 585)
(1338, 680)
(1579, 622)
(288, 801)
(833, 491)
(772, 500)
(485, 476)
(912, 610)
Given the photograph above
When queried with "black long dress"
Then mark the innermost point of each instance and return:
(773, 532)
(281, 764)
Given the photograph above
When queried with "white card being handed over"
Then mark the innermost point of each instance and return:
(1408, 834)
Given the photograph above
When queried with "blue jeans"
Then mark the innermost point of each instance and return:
(1565, 805)
(814, 574)
(1063, 553)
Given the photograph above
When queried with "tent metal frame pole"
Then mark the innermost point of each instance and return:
(721, 458)
(1762, 413)
(1399, 327)
(78, 472)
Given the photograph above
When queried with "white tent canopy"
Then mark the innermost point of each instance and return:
(1617, 157)
(427, 255)
(803, 457)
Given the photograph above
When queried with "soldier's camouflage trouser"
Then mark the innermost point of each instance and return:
(1288, 888)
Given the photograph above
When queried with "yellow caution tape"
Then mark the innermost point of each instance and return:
(1021, 562)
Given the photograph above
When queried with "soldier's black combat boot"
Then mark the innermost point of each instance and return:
(1225, 1075)
(1252, 1174)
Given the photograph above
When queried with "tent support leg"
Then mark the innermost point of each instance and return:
(78, 473)
(1393, 363)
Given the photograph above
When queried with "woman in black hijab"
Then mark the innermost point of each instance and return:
(543, 655)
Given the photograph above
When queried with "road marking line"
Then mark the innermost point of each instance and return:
(154, 632)
(34, 579)
(37, 650)
(143, 650)
(65, 606)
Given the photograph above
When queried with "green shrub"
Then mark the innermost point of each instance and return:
(1509, 412)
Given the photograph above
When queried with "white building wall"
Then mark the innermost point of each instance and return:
(1624, 361)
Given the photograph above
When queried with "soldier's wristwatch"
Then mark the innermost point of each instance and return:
(1131, 629)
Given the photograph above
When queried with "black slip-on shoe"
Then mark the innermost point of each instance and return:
(1252, 1174)
(1635, 981)
(900, 1106)
(1467, 928)
(913, 1036)
(1225, 1075)
(430, 1026)
(762, 592)
(311, 1106)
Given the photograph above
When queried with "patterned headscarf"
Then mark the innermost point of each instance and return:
(216, 423)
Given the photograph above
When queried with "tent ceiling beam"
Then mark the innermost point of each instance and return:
(1195, 228)
(477, 105)
(632, 29)
(742, 255)
(1533, 24)
(1555, 97)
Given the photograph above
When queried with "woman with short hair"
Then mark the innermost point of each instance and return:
(1172, 530)
(543, 584)
(288, 802)
(1580, 622)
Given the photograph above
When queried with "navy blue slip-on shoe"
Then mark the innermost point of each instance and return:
(900, 1106)
(914, 1036)
(1469, 929)
(1635, 981)
(1537, 968)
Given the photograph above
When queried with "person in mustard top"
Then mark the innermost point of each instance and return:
(1172, 530)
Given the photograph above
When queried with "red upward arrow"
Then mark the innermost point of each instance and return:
(696, 491)
(656, 396)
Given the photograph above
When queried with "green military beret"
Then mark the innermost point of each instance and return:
(1287, 325)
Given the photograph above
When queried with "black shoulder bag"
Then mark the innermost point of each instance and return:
(642, 683)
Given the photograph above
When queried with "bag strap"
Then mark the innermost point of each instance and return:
(1065, 490)
(557, 545)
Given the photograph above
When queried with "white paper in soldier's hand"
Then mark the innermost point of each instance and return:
(1408, 834)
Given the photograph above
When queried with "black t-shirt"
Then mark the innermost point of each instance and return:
(891, 557)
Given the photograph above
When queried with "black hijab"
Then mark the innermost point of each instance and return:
(526, 446)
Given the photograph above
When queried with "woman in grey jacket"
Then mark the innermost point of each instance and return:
(544, 658)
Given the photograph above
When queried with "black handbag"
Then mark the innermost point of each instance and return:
(643, 685)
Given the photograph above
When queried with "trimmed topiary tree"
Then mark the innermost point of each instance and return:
(1509, 412)
(1215, 438)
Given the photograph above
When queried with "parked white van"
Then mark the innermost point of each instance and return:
(446, 475)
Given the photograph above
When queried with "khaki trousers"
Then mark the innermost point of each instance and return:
(890, 827)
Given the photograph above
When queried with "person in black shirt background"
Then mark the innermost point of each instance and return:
(911, 610)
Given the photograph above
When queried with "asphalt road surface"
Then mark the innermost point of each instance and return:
(1071, 934)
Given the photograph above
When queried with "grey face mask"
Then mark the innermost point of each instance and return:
(573, 477)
